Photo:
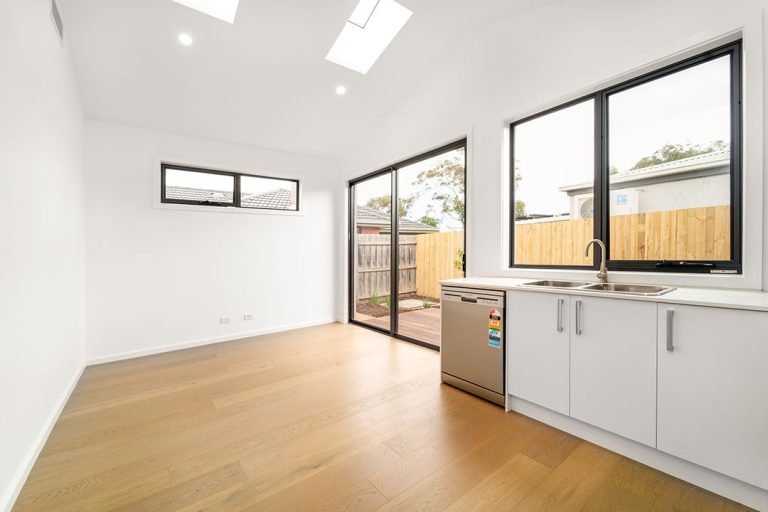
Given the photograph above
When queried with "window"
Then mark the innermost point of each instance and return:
(552, 151)
(651, 166)
(205, 187)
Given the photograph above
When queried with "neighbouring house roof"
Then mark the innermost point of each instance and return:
(197, 194)
(365, 216)
(707, 164)
(279, 199)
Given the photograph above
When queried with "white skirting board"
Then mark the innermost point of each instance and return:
(201, 342)
(7, 501)
(697, 475)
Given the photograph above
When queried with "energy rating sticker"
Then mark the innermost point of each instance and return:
(494, 328)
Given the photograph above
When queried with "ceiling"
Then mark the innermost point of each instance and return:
(263, 80)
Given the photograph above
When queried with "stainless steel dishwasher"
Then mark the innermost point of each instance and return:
(472, 345)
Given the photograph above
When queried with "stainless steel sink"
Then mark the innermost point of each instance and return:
(634, 289)
(631, 289)
(557, 284)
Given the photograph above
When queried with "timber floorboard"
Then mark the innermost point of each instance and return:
(334, 417)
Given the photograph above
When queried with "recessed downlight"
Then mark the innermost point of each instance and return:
(185, 39)
(341, 90)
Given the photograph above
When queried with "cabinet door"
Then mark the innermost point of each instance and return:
(537, 348)
(613, 366)
(713, 389)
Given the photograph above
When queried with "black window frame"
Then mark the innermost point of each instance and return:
(601, 184)
(236, 190)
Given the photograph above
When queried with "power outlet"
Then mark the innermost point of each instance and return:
(248, 316)
(225, 319)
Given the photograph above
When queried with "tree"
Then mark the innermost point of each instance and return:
(445, 181)
(429, 221)
(519, 203)
(672, 152)
(384, 204)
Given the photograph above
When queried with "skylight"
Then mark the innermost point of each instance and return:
(371, 28)
(224, 10)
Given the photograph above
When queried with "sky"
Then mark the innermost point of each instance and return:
(407, 187)
(556, 150)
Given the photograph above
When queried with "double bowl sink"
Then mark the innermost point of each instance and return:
(629, 289)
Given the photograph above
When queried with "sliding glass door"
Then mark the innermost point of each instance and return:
(371, 241)
(397, 258)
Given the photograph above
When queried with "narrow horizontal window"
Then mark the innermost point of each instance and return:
(207, 187)
(651, 166)
(199, 187)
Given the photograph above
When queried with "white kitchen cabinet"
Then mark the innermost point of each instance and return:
(613, 366)
(538, 348)
(713, 389)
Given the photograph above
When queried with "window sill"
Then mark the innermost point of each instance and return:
(226, 209)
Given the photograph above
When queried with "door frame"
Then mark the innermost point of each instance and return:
(394, 284)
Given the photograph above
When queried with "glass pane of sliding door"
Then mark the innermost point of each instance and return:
(431, 201)
(429, 192)
(371, 251)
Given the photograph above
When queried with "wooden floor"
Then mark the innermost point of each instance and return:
(335, 417)
(420, 324)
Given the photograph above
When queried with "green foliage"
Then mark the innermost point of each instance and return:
(445, 181)
(519, 203)
(519, 208)
(672, 152)
(458, 263)
(426, 304)
(389, 302)
(384, 204)
(429, 221)
(376, 300)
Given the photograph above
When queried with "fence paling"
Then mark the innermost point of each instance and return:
(373, 261)
(436, 258)
(688, 234)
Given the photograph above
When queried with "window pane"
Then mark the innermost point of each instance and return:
(197, 186)
(431, 239)
(554, 181)
(669, 160)
(372, 246)
(267, 193)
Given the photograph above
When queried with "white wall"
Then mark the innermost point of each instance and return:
(523, 64)
(41, 235)
(158, 279)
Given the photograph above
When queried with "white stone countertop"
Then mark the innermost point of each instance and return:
(711, 297)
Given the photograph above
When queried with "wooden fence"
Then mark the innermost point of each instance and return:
(423, 261)
(689, 234)
(373, 263)
(437, 257)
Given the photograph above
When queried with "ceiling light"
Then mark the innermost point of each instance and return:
(224, 10)
(185, 39)
(341, 90)
(365, 36)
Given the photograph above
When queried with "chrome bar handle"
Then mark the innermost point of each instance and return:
(560, 304)
(578, 317)
(670, 330)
